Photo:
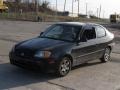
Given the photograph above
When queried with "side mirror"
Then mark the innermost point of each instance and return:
(41, 33)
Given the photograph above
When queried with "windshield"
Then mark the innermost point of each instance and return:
(62, 32)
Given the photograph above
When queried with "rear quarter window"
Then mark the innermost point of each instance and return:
(100, 31)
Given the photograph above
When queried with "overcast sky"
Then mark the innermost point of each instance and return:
(107, 6)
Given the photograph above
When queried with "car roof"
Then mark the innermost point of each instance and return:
(78, 23)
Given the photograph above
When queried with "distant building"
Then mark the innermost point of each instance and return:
(66, 13)
(115, 18)
(83, 16)
(10, 0)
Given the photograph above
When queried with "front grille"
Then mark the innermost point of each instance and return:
(24, 53)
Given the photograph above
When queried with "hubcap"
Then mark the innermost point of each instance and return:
(65, 67)
(107, 54)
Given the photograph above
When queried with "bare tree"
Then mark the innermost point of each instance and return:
(17, 1)
(45, 4)
(17, 5)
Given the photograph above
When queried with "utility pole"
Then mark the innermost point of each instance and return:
(97, 12)
(27, 2)
(37, 9)
(100, 11)
(72, 6)
(78, 7)
(64, 5)
(56, 10)
(86, 8)
(37, 6)
(56, 6)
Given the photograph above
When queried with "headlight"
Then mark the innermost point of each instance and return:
(43, 54)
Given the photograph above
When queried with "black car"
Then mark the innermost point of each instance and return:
(63, 46)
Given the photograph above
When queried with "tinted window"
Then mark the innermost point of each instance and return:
(90, 33)
(62, 32)
(100, 31)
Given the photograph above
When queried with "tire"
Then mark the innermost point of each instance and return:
(106, 56)
(64, 67)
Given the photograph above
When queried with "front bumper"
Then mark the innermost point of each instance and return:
(37, 63)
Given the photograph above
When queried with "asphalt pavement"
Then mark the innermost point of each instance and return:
(91, 76)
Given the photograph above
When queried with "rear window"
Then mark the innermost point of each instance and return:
(100, 31)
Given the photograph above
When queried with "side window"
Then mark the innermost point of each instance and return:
(100, 31)
(89, 33)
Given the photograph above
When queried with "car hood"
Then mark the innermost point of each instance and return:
(42, 44)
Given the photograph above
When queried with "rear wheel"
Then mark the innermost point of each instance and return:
(106, 56)
(64, 67)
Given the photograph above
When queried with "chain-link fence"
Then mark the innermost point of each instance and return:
(32, 11)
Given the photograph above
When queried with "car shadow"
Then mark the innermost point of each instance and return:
(87, 64)
(12, 76)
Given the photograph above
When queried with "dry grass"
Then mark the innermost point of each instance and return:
(30, 16)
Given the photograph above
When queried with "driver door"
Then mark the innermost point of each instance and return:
(85, 50)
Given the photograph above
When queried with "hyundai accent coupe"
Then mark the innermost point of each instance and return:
(63, 46)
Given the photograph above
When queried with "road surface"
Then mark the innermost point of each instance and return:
(91, 76)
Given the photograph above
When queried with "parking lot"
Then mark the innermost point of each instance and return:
(91, 76)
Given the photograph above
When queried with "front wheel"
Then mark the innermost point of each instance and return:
(106, 56)
(64, 67)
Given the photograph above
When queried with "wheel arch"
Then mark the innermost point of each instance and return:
(110, 47)
(70, 57)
